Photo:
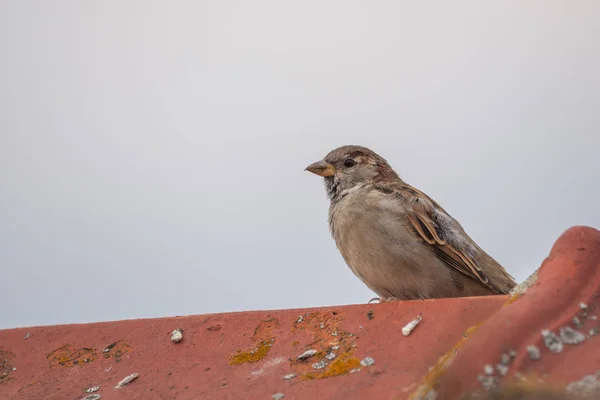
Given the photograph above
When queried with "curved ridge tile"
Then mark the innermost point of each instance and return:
(547, 336)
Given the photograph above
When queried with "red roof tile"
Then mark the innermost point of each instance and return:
(550, 333)
(342, 352)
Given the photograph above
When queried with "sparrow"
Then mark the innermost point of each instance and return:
(397, 240)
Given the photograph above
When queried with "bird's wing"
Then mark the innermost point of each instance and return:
(422, 216)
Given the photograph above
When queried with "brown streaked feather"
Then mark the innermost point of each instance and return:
(423, 214)
(421, 229)
(420, 215)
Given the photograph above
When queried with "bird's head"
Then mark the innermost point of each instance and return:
(349, 166)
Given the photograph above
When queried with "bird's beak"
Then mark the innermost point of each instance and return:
(321, 168)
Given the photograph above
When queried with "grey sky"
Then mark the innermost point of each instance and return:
(152, 153)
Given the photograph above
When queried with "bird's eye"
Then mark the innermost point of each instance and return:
(349, 163)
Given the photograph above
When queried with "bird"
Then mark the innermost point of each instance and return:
(396, 239)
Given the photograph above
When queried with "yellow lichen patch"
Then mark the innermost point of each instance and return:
(512, 299)
(254, 355)
(532, 386)
(341, 365)
(263, 334)
(264, 330)
(116, 350)
(318, 321)
(518, 291)
(432, 378)
(69, 355)
(6, 365)
(333, 347)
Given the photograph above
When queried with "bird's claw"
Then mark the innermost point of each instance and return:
(380, 300)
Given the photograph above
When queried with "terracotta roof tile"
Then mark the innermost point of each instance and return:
(356, 351)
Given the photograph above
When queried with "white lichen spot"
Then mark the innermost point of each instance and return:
(288, 377)
(320, 365)
(505, 359)
(408, 328)
(278, 396)
(533, 352)
(594, 332)
(177, 335)
(322, 326)
(330, 356)
(488, 369)
(335, 347)
(95, 396)
(593, 317)
(127, 380)
(569, 335)
(431, 395)
(268, 365)
(27, 335)
(300, 319)
(552, 341)
(367, 362)
(502, 369)
(488, 382)
(92, 389)
(306, 354)
(583, 306)
(334, 333)
(586, 387)
(353, 370)
(522, 287)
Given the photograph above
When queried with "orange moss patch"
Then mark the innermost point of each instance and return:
(334, 347)
(264, 330)
(532, 386)
(518, 291)
(254, 355)
(512, 299)
(432, 378)
(6, 365)
(116, 350)
(264, 335)
(341, 365)
(69, 355)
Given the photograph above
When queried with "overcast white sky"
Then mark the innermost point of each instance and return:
(152, 153)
